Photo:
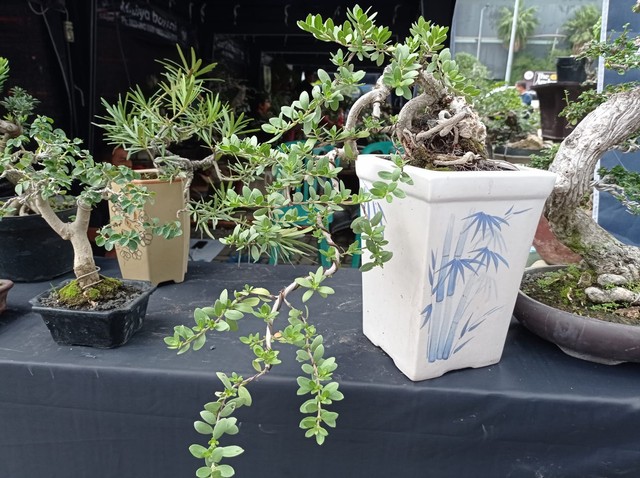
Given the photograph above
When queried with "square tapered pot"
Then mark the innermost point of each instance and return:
(460, 242)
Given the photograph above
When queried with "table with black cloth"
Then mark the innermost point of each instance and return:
(74, 412)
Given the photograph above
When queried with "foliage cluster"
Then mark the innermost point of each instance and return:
(272, 220)
(619, 53)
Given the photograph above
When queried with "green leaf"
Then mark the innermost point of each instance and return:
(216, 455)
(233, 314)
(203, 472)
(367, 267)
(228, 409)
(329, 418)
(200, 316)
(208, 417)
(310, 406)
(203, 428)
(224, 379)
(307, 295)
(213, 407)
(199, 342)
(231, 451)
(225, 471)
(305, 385)
(244, 395)
(198, 451)
(318, 353)
(308, 422)
(219, 429)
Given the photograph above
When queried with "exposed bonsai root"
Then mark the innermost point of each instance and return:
(437, 130)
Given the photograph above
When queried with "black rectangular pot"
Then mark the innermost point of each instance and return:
(95, 328)
(31, 250)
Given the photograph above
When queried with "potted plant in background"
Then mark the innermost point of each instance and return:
(155, 258)
(45, 165)
(605, 284)
(469, 220)
(162, 123)
(512, 126)
(582, 28)
(31, 251)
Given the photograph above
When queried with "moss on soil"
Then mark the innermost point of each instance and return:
(564, 290)
(72, 294)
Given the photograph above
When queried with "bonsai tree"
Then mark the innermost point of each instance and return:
(436, 128)
(44, 165)
(612, 122)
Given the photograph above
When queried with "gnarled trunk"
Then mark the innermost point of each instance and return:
(601, 130)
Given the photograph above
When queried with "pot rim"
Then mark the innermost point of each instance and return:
(146, 289)
(551, 268)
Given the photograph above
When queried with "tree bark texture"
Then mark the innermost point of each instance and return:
(576, 160)
(84, 266)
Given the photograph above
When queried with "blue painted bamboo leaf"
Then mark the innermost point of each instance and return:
(486, 257)
(427, 314)
(485, 223)
(456, 267)
(432, 266)
(459, 347)
(465, 327)
(522, 211)
(474, 326)
(483, 317)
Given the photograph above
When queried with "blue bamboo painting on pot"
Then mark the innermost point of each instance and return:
(462, 280)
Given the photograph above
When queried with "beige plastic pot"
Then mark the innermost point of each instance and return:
(159, 259)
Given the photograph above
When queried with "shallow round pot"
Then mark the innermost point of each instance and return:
(581, 337)
(95, 328)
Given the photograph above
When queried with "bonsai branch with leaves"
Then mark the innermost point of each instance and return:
(46, 168)
(612, 122)
(436, 128)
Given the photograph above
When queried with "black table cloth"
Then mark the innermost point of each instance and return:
(74, 412)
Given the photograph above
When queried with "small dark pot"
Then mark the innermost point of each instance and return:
(581, 337)
(96, 328)
(570, 68)
(5, 285)
(31, 250)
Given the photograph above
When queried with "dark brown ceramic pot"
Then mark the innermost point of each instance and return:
(581, 337)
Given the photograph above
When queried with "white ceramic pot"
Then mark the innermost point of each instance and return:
(460, 243)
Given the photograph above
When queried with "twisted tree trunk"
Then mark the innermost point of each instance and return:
(601, 130)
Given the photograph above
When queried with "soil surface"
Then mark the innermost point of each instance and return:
(565, 291)
(123, 296)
